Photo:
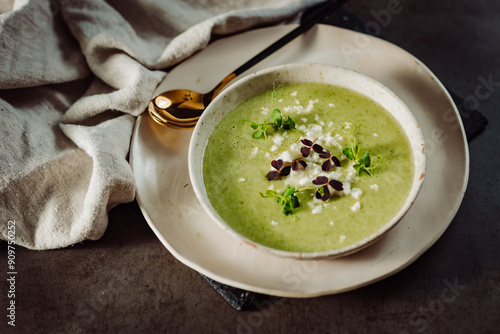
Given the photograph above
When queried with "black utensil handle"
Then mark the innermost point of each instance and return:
(319, 13)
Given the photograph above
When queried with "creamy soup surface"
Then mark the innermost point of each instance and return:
(236, 168)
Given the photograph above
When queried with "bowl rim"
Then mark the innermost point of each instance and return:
(199, 187)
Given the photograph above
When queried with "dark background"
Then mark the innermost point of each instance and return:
(127, 282)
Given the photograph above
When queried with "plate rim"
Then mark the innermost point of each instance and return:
(299, 293)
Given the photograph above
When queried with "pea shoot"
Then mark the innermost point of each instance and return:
(287, 199)
(363, 164)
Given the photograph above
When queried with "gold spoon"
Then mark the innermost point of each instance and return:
(181, 108)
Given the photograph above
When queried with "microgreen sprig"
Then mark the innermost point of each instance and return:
(364, 163)
(287, 199)
(278, 122)
(260, 130)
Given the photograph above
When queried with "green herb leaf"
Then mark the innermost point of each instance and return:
(269, 193)
(276, 118)
(289, 124)
(365, 160)
(287, 199)
(347, 151)
(294, 201)
(357, 167)
(363, 164)
(289, 191)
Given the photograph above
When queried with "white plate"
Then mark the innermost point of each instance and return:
(159, 161)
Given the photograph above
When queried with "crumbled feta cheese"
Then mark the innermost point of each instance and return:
(375, 135)
(342, 238)
(280, 100)
(374, 187)
(278, 139)
(304, 120)
(351, 172)
(331, 105)
(356, 207)
(347, 125)
(271, 187)
(295, 149)
(298, 109)
(285, 156)
(330, 125)
(304, 181)
(255, 151)
(332, 141)
(297, 101)
(242, 179)
(265, 111)
(317, 209)
(273, 148)
(274, 222)
(347, 188)
(331, 223)
(293, 93)
(356, 193)
(310, 106)
(316, 131)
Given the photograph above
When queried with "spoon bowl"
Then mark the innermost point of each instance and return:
(181, 108)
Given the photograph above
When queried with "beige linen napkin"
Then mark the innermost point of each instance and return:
(73, 77)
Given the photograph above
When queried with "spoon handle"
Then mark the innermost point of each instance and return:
(318, 14)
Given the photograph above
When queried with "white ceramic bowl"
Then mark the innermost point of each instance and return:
(262, 81)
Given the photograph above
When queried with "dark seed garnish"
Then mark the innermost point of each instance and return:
(327, 165)
(320, 180)
(306, 142)
(286, 170)
(277, 164)
(337, 185)
(305, 151)
(317, 148)
(298, 162)
(273, 175)
(323, 193)
(280, 170)
(325, 155)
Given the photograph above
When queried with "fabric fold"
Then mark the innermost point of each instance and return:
(73, 77)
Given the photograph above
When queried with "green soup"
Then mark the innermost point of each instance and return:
(236, 165)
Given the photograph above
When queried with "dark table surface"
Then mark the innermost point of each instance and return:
(127, 282)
